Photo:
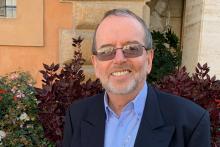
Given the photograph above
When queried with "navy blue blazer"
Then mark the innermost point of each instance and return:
(167, 121)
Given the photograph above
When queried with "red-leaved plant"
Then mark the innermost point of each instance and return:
(59, 90)
(200, 88)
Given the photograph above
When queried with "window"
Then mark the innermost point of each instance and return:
(8, 8)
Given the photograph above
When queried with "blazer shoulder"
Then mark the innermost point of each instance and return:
(189, 119)
(178, 109)
(177, 101)
(85, 102)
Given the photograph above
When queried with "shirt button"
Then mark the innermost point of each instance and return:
(127, 139)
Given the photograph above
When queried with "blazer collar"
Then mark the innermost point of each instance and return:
(153, 130)
(93, 126)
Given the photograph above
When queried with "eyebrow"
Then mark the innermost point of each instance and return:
(132, 42)
(128, 42)
(106, 45)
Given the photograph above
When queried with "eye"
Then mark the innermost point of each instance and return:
(126, 47)
(105, 50)
(132, 47)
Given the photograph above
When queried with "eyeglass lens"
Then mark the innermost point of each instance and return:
(129, 51)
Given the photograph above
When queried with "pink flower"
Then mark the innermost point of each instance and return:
(13, 90)
(2, 135)
(13, 76)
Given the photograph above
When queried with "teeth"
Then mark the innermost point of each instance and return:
(120, 73)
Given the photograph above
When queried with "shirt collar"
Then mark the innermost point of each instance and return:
(138, 102)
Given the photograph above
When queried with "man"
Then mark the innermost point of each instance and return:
(130, 113)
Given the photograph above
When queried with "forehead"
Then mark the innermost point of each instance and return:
(118, 30)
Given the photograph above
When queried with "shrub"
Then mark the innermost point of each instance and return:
(167, 55)
(60, 89)
(19, 125)
(200, 88)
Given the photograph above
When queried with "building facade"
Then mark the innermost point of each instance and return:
(41, 31)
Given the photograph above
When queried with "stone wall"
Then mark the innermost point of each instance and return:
(196, 22)
(210, 37)
(202, 34)
(192, 33)
(86, 15)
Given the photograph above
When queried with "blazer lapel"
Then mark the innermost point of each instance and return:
(153, 132)
(93, 126)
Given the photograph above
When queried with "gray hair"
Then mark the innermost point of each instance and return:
(125, 12)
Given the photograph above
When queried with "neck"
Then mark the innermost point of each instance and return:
(118, 101)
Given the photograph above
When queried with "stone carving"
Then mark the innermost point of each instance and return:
(159, 16)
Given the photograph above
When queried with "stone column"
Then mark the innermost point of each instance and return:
(86, 15)
(201, 36)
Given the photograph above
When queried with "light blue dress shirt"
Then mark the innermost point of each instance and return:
(121, 131)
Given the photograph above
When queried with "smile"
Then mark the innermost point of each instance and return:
(121, 73)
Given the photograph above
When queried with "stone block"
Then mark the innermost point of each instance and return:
(210, 34)
(213, 2)
(87, 14)
(176, 8)
(146, 15)
(192, 3)
(89, 72)
(213, 63)
(201, 35)
(175, 23)
(105, 0)
(66, 48)
(191, 46)
(193, 15)
(87, 43)
(209, 44)
(211, 12)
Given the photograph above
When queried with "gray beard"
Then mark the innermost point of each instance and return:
(125, 90)
(109, 87)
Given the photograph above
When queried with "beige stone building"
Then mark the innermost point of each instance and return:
(41, 31)
(196, 22)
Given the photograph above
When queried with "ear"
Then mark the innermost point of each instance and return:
(150, 56)
(93, 60)
(94, 63)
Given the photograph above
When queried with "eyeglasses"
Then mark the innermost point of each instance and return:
(129, 51)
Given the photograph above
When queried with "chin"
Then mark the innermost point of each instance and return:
(121, 89)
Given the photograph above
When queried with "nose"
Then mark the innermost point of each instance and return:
(119, 57)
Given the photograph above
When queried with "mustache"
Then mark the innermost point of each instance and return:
(121, 67)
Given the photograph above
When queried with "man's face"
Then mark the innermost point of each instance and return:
(121, 75)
